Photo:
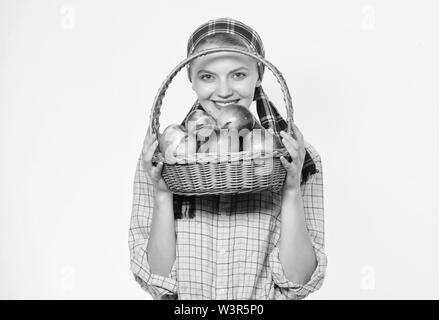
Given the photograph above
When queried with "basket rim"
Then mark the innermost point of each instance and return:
(213, 157)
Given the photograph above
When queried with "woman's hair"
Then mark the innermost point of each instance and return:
(223, 39)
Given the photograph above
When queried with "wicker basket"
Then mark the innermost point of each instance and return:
(208, 173)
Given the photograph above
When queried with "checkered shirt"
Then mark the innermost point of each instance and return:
(230, 249)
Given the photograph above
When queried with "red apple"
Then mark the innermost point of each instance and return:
(187, 146)
(261, 141)
(222, 142)
(235, 117)
(170, 139)
(200, 123)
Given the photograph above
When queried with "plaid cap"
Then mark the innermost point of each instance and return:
(228, 26)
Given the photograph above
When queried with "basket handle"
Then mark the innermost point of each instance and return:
(158, 100)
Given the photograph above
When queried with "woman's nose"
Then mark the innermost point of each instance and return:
(224, 89)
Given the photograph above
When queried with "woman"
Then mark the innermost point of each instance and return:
(264, 245)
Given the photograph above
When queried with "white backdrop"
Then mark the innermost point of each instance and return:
(77, 83)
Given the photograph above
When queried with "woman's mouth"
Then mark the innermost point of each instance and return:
(225, 103)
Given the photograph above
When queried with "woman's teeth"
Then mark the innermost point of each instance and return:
(224, 104)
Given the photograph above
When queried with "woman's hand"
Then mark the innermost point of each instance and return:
(154, 172)
(296, 149)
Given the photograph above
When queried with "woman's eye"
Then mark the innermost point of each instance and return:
(239, 75)
(206, 77)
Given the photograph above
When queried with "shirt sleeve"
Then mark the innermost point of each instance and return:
(160, 287)
(312, 195)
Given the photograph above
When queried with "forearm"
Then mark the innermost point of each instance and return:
(296, 252)
(161, 244)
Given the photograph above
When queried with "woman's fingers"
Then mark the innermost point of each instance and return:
(149, 138)
(289, 143)
(147, 154)
(147, 142)
(287, 137)
(285, 162)
(156, 171)
(298, 134)
(289, 166)
(149, 150)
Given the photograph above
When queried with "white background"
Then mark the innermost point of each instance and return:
(77, 83)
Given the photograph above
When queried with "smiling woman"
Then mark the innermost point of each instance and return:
(223, 78)
(259, 245)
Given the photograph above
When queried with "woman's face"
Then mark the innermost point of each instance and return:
(222, 78)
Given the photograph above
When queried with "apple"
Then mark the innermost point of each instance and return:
(187, 146)
(261, 141)
(200, 123)
(169, 140)
(235, 117)
(221, 141)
